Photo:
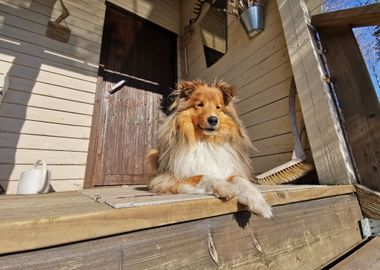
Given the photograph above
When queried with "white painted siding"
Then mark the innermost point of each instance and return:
(47, 112)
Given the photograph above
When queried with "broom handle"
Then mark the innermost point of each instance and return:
(298, 152)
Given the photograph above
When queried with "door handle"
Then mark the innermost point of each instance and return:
(116, 87)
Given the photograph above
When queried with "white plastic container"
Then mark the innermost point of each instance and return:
(35, 180)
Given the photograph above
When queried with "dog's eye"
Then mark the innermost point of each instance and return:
(199, 105)
(218, 107)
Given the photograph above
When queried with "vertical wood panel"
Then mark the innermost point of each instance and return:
(328, 145)
(357, 99)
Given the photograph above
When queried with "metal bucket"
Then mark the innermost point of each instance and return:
(252, 20)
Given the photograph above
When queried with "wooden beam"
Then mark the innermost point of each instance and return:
(30, 222)
(357, 100)
(302, 235)
(369, 202)
(353, 17)
(328, 144)
(367, 257)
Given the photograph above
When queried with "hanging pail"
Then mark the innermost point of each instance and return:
(253, 20)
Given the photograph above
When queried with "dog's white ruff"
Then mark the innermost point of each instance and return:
(207, 158)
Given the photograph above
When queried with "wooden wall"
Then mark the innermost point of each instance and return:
(261, 70)
(47, 112)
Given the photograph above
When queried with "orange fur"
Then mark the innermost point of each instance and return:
(197, 155)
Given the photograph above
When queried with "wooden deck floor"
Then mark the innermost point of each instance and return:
(36, 221)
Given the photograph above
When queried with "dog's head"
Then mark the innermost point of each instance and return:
(207, 105)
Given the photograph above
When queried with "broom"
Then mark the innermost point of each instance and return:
(296, 167)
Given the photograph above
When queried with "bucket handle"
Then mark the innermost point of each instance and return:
(44, 172)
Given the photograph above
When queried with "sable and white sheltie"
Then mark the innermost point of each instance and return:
(203, 147)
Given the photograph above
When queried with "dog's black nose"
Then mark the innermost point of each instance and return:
(212, 120)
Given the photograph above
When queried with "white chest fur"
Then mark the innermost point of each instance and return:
(207, 159)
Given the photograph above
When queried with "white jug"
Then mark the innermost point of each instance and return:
(35, 180)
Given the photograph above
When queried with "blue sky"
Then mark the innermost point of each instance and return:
(364, 37)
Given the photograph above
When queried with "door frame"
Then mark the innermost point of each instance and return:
(93, 163)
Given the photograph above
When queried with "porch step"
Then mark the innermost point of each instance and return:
(367, 257)
(312, 226)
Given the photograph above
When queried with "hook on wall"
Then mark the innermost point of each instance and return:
(56, 30)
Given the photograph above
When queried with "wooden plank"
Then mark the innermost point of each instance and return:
(44, 115)
(328, 145)
(369, 201)
(95, 144)
(271, 128)
(270, 79)
(239, 241)
(277, 144)
(353, 17)
(260, 99)
(102, 221)
(264, 163)
(61, 172)
(358, 101)
(28, 156)
(267, 65)
(57, 185)
(24, 59)
(21, 35)
(38, 52)
(269, 112)
(13, 125)
(46, 102)
(367, 257)
(47, 89)
(35, 74)
(25, 141)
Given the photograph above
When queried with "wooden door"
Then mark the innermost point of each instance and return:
(125, 122)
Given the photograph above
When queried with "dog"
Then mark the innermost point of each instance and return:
(202, 147)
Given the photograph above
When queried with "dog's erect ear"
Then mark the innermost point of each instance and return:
(228, 91)
(185, 88)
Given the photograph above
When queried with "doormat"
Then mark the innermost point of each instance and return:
(138, 196)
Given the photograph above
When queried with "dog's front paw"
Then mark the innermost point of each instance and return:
(262, 208)
(225, 191)
(256, 204)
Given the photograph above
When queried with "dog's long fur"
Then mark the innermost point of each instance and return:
(195, 157)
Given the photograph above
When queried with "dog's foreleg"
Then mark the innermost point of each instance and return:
(250, 196)
(205, 184)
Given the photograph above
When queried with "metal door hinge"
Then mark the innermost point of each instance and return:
(370, 227)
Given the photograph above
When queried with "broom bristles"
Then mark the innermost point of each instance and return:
(285, 173)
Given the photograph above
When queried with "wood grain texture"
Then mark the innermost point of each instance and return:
(65, 217)
(328, 145)
(240, 241)
(353, 17)
(369, 201)
(358, 101)
(366, 258)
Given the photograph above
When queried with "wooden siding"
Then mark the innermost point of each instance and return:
(260, 69)
(47, 111)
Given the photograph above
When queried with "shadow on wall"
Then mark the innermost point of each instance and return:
(31, 59)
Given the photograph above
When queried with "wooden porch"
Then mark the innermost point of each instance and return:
(128, 227)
